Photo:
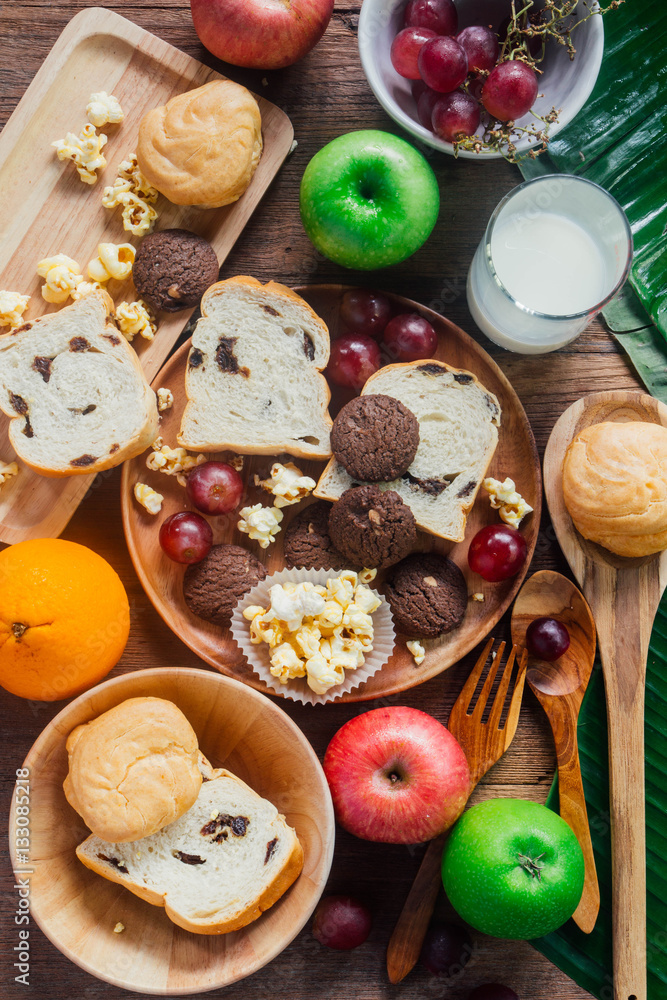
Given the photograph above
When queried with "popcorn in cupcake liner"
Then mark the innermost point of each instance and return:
(310, 648)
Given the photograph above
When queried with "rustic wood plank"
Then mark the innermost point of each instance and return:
(325, 95)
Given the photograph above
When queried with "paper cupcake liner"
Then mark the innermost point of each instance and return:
(297, 689)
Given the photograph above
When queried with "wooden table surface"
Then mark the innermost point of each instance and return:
(325, 95)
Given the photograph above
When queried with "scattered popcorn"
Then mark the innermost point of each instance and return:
(135, 317)
(85, 150)
(478, 597)
(7, 470)
(131, 190)
(172, 461)
(237, 462)
(367, 575)
(12, 307)
(260, 523)
(104, 109)
(510, 505)
(119, 928)
(85, 288)
(287, 483)
(148, 498)
(165, 399)
(314, 631)
(417, 650)
(61, 276)
(114, 260)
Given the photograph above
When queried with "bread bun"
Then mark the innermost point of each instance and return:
(615, 486)
(133, 770)
(202, 147)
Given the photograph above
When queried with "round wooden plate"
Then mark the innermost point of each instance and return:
(516, 457)
(78, 909)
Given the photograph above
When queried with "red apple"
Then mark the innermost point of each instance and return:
(262, 34)
(396, 776)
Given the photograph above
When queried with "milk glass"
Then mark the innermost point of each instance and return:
(556, 250)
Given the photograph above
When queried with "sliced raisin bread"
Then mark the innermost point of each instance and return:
(75, 391)
(217, 868)
(458, 433)
(253, 378)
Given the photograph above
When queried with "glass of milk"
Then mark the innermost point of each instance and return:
(555, 251)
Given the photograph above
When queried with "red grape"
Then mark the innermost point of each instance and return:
(354, 358)
(481, 45)
(497, 552)
(418, 87)
(510, 90)
(493, 991)
(455, 115)
(405, 50)
(446, 949)
(410, 337)
(341, 922)
(425, 105)
(214, 487)
(443, 64)
(547, 638)
(365, 311)
(186, 537)
(439, 15)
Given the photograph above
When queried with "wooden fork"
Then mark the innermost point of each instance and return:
(483, 743)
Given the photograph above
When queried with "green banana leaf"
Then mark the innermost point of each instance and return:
(619, 140)
(587, 958)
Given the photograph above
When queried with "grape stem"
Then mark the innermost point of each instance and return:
(557, 20)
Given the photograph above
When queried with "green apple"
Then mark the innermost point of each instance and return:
(368, 199)
(513, 869)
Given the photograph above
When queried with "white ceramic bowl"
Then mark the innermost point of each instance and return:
(565, 84)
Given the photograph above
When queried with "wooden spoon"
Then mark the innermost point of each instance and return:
(624, 595)
(559, 687)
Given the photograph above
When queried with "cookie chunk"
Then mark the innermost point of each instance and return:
(213, 587)
(427, 595)
(375, 438)
(306, 541)
(372, 527)
(173, 269)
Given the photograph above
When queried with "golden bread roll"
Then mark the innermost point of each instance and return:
(133, 770)
(202, 147)
(615, 486)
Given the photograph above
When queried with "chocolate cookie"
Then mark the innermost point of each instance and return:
(306, 542)
(427, 595)
(371, 527)
(375, 438)
(173, 269)
(213, 587)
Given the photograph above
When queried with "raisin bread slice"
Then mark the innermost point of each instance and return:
(75, 391)
(458, 433)
(217, 868)
(253, 378)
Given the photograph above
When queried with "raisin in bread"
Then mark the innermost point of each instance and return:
(253, 378)
(75, 391)
(217, 868)
(458, 433)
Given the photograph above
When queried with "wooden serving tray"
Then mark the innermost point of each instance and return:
(516, 457)
(46, 209)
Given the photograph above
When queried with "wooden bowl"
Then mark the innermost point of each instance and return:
(516, 457)
(78, 910)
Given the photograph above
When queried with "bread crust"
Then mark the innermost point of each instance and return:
(202, 147)
(615, 486)
(250, 445)
(133, 769)
(283, 879)
(23, 336)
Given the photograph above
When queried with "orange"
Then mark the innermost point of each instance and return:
(64, 618)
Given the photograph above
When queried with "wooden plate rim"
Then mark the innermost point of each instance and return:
(164, 609)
